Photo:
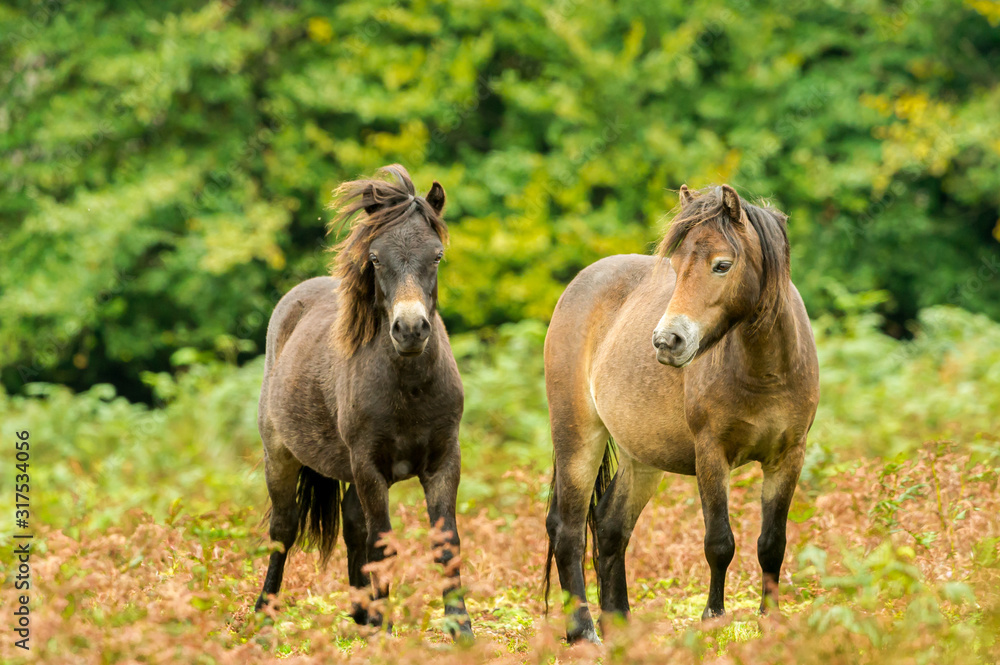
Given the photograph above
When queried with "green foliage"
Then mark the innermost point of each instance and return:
(167, 168)
(96, 455)
(103, 455)
(880, 395)
(884, 577)
(505, 393)
(185, 477)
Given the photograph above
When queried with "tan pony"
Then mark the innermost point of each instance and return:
(694, 361)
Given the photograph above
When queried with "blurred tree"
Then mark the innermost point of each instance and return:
(166, 168)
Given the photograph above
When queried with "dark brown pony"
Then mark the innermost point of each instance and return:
(361, 390)
(731, 376)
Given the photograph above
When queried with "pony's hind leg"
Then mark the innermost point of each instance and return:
(776, 497)
(577, 460)
(281, 470)
(355, 540)
(616, 515)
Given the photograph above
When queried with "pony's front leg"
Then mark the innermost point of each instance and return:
(441, 491)
(356, 540)
(373, 492)
(713, 485)
(775, 498)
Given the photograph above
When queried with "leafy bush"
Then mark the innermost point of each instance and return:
(882, 397)
(168, 166)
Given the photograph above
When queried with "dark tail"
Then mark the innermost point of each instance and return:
(552, 542)
(318, 498)
(604, 477)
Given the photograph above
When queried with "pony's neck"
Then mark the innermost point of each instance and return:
(768, 347)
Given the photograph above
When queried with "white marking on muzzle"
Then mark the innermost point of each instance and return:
(663, 323)
(681, 321)
(409, 311)
(683, 326)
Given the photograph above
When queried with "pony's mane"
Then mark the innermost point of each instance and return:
(769, 224)
(387, 202)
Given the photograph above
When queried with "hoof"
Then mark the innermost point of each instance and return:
(458, 625)
(360, 615)
(709, 613)
(462, 634)
(767, 605)
(586, 635)
(768, 609)
(262, 602)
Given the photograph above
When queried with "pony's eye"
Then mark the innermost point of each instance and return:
(373, 259)
(437, 259)
(722, 267)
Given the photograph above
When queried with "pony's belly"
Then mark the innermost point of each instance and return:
(319, 448)
(332, 458)
(666, 448)
(646, 420)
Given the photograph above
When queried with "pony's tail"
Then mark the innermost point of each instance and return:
(318, 499)
(552, 541)
(604, 477)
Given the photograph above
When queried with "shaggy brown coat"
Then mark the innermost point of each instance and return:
(740, 384)
(361, 389)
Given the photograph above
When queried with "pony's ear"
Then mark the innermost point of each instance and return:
(686, 196)
(731, 203)
(436, 197)
(368, 200)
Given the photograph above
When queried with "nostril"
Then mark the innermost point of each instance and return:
(668, 341)
(422, 330)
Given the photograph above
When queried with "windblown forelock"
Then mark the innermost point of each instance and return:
(358, 321)
(769, 224)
